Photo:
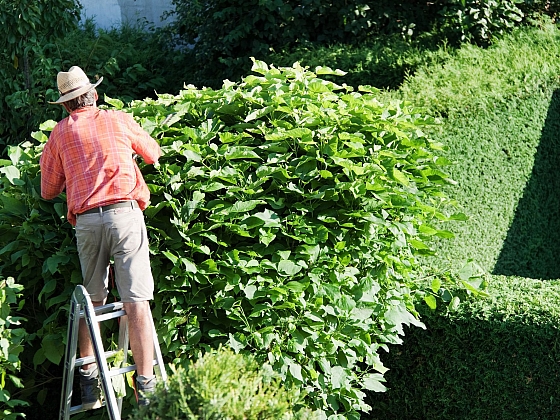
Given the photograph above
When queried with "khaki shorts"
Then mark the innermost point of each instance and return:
(119, 234)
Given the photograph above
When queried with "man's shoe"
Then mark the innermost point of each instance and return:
(145, 386)
(91, 391)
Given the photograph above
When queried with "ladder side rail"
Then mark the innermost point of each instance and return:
(157, 352)
(69, 358)
(110, 400)
(123, 344)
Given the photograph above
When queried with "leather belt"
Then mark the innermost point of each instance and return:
(132, 204)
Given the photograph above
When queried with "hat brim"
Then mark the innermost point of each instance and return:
(76, 93)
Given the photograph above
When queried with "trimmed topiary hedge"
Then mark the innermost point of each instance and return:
(495, 359)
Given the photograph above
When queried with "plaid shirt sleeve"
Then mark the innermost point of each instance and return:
(142, 143)
(53, 180)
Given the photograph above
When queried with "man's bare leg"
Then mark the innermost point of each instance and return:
(141, 336)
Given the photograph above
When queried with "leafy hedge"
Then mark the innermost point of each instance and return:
(507, 127)
(286, 221)
(497, 358)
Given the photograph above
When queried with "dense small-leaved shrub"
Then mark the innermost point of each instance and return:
(495, 358)
(223, 385)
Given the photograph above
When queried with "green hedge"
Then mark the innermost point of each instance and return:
(500, 117)
(286, 219)
(493, 359)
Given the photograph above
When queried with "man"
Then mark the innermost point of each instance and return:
(90, 153)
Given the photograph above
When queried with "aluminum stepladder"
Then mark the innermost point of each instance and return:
(81, 307)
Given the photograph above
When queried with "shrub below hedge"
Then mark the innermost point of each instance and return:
(224, 385)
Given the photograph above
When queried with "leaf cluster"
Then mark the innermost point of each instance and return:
(480, 21)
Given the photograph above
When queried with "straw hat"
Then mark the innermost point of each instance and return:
(73, 83)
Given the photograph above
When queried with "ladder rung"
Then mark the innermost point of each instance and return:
(105, 317)
(79, 408)
(91, 359)
(109, 307)
(130, 368)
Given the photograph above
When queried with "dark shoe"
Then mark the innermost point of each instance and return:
(145, 386)
(91, 391)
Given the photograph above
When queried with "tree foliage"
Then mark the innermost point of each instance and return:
(221, 35)
(40, 38)
(27, 29)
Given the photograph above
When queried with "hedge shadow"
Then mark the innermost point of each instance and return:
(532, 245)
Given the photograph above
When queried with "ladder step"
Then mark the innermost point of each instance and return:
(126, 369)
(80, 408)
(108, 307)
(105, 317)
(91, 359)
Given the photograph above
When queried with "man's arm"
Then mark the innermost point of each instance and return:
(53, 180)
(143, 144)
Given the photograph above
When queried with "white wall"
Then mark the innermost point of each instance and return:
(112, 13)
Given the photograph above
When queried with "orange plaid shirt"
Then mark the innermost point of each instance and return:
(90, 154)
